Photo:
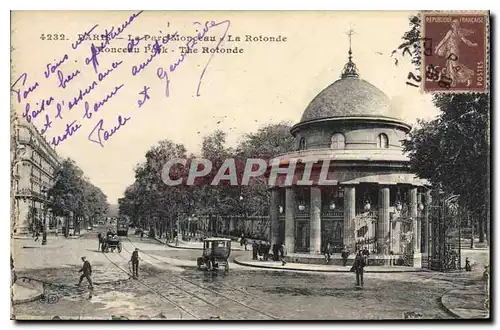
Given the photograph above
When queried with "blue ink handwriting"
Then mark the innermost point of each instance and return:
(91, 87)
(25, 93)
(163, 75)
(97, 105)
(51, 68)
(108, 37)
(205, 30)
(134, 42)
(145, 95)
(83, 37)
(105, 133)
(46, 125)
(157, 50)
(70, 130)
(59, 109)
(35, 113)
(64, 80)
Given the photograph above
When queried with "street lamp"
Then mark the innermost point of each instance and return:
(302, 207)
(44, 235)
(367, 206)
(332, 206)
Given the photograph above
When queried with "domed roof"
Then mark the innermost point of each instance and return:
(348, 97)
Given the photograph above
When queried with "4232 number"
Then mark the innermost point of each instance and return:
(53, 36)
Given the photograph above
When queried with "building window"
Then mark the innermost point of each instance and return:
(302, 143)
(338, 141)
(382, 141)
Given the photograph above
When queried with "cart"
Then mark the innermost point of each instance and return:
(111, 243)
(216, 251)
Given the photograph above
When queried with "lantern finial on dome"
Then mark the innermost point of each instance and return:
(350, 69)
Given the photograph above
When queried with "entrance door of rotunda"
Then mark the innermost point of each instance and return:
(302, 236)
(332, 231)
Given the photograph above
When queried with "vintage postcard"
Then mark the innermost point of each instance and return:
(234, 165)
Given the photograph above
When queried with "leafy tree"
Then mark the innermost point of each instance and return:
(73, 193)
(148, 197)
(452, 151)
(68, 189)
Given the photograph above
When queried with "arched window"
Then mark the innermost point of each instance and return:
(338, 141)
(383, 141)
(302, 143)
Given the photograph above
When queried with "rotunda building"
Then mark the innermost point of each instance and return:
(371, 199)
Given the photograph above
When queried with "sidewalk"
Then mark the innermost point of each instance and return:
(468, 302)
(235, 246)
(24, 291)
(246, 261)
(63, 256)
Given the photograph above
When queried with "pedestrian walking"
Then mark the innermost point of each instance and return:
(282, 250)
(255, 250)
(266, 251)
(135, 263)
(327, 253)
(358, 267)
(37, 234)
(99, 238)
(86, 272)
(276, 252)
(468, 267)
(345, 255)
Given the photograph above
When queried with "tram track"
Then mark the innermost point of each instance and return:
(185, 281)
(192, 292)
(178, 306)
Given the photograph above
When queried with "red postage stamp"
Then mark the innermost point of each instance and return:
(455, 51)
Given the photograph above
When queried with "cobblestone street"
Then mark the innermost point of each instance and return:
(171, 287)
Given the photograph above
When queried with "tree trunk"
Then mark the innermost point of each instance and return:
(481, 229)
(487, 228)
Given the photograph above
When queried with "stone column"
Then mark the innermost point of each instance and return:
(383, 219)
(290, 220)
(349, 217)
(428, 226)
(273, 216)
(413, 215)
(315, 222)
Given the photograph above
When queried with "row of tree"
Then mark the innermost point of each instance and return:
(72, 193)
(151, 203)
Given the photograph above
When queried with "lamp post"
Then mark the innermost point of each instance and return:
(44, 235)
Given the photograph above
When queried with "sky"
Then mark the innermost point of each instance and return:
(268, 83)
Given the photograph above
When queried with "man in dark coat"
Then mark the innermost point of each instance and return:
(266, 251)
(358, 267)
(345, 255)
(327, 253)
(99, 238)
(255, 250)
(135, 263)
(86, 272)
(276, 252)
(282, 250)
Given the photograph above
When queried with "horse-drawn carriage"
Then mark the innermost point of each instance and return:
(216, 251)
(111, 243)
